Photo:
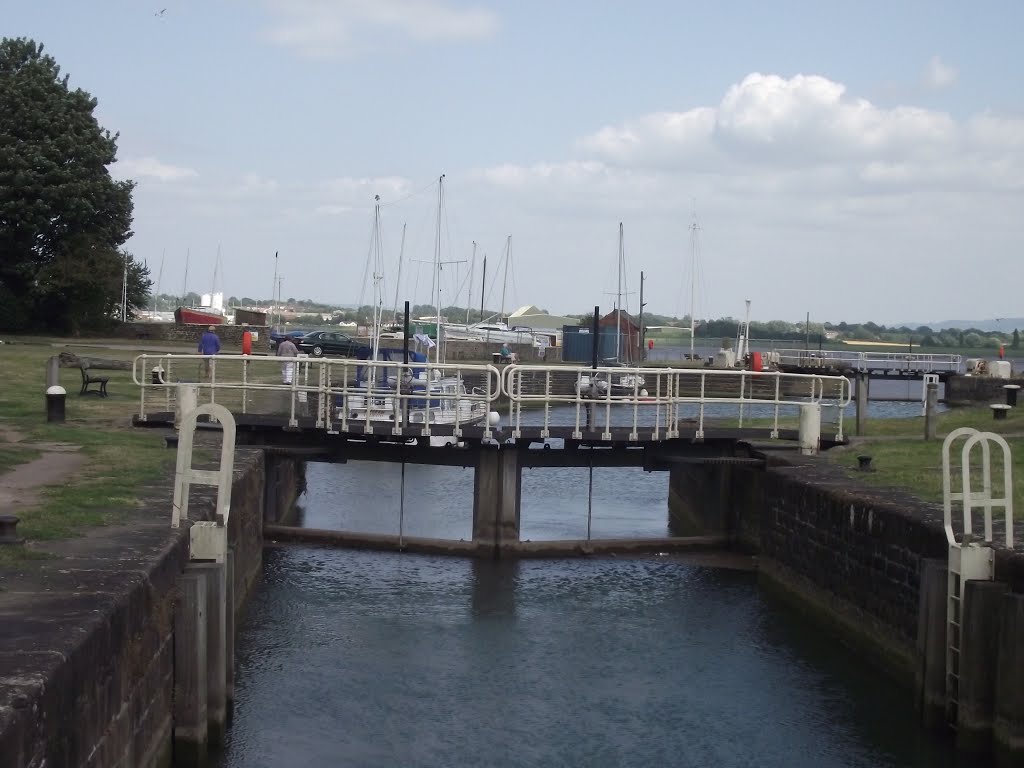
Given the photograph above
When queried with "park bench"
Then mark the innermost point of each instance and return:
(88, 380)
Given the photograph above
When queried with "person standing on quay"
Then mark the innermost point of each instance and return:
(287, 349)
(209, 344)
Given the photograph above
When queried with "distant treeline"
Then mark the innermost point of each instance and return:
(309, 312)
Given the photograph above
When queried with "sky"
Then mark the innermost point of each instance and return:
(850, 161)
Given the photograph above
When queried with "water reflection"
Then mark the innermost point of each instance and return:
(370, 659)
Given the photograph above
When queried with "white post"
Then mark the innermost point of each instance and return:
(187, 400)
(810, 428)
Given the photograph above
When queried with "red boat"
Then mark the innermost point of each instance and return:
(193, 316)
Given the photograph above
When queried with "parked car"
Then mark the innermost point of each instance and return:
(320, 343)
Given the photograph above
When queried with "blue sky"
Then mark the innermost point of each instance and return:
(852, 160)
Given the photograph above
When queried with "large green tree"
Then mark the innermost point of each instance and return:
(63, 219)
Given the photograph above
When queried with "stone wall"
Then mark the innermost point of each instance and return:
(86, 651)
(850, 553)
(230, 335)
(980, 389)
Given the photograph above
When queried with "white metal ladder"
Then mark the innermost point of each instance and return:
(969, 558)
(208, 539)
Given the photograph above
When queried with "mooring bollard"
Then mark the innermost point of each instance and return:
(8, 530)
(864, 463)
(999, 411)
(810, 429)
(56, 397)
(1011, 393)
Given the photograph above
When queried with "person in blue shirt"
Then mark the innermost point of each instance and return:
(209, 344)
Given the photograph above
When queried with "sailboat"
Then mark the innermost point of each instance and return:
(620, 384)
(432, 397)
(493, 331)
(212, 311)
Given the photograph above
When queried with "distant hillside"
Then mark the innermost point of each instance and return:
(1004, 324)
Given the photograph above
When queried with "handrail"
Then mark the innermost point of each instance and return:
(348, 395)
(864, 360)
(416, 388)
(665, 390)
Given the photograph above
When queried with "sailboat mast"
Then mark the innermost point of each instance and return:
(398, 284)
(618, 302)
(124, 292)
(504, 285)
(159, 277)
(437, 269)
(469, 283)
(273, 290)
(694, 228)
(216, 268)
(483, 288)
(184, 288)
(378, 299)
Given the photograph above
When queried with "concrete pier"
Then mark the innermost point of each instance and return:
(497, 488)
(191, 728)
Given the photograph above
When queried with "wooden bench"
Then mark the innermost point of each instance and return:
(88, 379)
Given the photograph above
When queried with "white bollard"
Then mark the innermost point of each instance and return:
(810, 429)
(186, 402)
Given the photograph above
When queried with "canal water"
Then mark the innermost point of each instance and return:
(353, 658)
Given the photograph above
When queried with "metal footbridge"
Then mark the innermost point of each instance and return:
(879, 365)
(525, 403)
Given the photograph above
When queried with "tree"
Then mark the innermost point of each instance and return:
(1016, 339)
(63, 218)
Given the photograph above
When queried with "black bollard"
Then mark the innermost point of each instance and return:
(8, 530)
(55, 401)
(1011, 394)
(864, 463)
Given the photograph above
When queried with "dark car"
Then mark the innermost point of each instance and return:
(320, 343)
(277, 336)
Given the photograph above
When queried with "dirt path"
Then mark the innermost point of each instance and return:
(22, 486)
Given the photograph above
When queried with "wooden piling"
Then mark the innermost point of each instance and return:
(979, 650)
(190, 696)
(930, 670)
(216, 648)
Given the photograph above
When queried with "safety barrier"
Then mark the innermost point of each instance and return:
(346, 395)
(656, 399)
(339, 394)
(869, 361)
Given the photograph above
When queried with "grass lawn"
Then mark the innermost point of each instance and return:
(119, 459)
(902, 459)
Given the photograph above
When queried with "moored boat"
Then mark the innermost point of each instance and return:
(195, 316)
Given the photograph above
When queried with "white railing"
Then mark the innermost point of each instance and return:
(346, 395)
(338, 394)
(864, 361)
(655, 400)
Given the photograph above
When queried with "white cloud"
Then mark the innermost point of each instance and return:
(254, 185)
(331, 210)
(938, 74)
(768, 120)
(327, 28)
(810, 198)
(151, 168)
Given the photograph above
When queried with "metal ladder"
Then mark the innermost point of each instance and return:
(970, 558)
(208, 539)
